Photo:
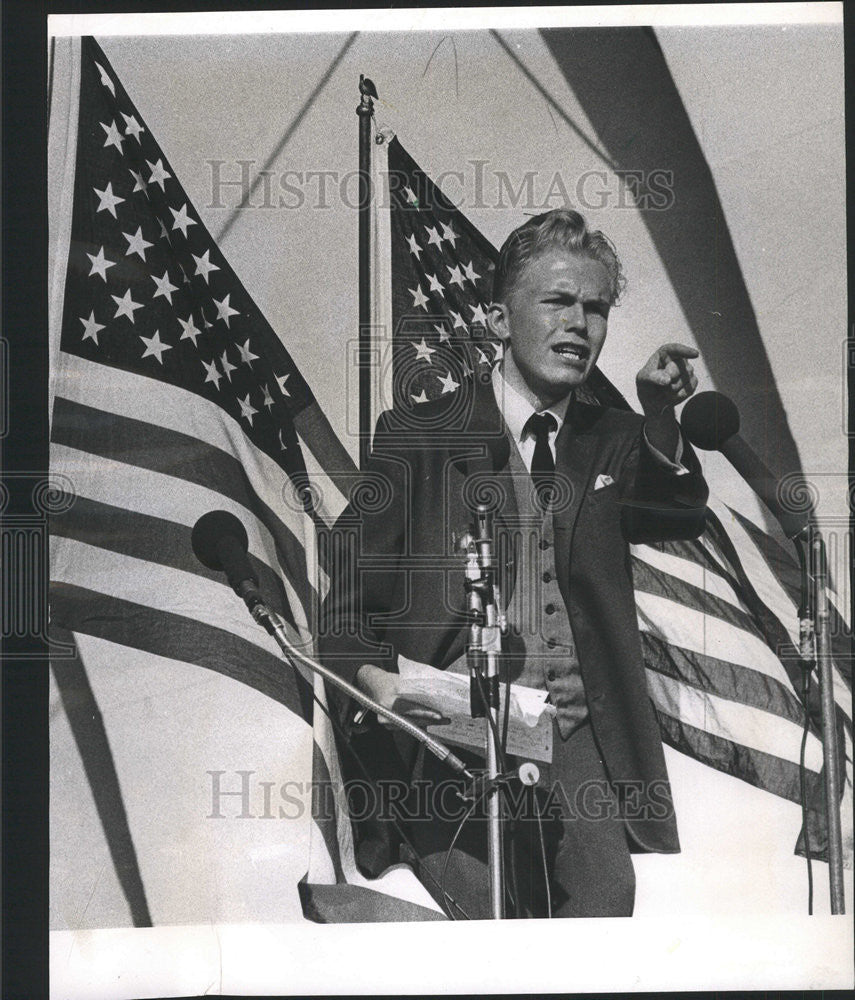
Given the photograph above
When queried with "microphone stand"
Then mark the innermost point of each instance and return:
(273, 625)
(814, 628)
(711, 422)
(486, 625)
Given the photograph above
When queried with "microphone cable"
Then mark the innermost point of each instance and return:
(506, 715)
(500, 750)
(537, 813)
(457, 833)
(512, 823)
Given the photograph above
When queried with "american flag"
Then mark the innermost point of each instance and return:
(718, 616)
(174, 396)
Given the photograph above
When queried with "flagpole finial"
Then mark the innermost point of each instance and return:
(366, 86)
(367, 91)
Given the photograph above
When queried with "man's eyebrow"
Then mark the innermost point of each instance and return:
(573, 293)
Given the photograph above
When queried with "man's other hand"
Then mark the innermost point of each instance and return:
(384, 687)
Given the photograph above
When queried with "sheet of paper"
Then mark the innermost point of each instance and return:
(530, 722)
(529, 742)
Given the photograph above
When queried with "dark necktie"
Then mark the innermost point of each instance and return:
(542, 464)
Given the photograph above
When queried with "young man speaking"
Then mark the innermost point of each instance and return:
(576, 483)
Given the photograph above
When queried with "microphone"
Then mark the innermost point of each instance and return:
(475, 608)
(711, 422)
(220, 542)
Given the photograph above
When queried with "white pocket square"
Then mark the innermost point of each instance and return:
(603, 480)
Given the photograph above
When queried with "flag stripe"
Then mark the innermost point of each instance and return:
(317, 434)
(694, 552)
(166, 498)
(175, 454)
(177, 637)
(764, 570)
(766, 771)
(731, 720)
(685, 568)
(157, 540)
(177, 411)
(780, 563)
(660, 584)
(767, 600)
(721, 677)
(766, 589)
(706, 635)
(328, 499)
(162, 587)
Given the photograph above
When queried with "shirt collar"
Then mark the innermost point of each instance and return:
(516, 410)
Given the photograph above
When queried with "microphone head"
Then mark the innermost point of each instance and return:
(210, 531)
(709, 420)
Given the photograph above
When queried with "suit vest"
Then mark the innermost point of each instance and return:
(540, 649)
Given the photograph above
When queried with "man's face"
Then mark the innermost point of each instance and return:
(555, 320)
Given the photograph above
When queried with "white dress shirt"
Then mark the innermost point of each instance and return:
(517, 411)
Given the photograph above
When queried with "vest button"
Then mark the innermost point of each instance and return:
(550, 609)
(547, 577)
(543, 544)
(551, 675)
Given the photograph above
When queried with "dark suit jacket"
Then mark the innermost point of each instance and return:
(399, 585)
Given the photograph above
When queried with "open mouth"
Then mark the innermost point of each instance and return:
(574, 353)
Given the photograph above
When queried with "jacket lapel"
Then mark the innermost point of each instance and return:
(484, 447)
(576, 450)
(482, 459)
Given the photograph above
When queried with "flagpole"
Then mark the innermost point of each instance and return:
(365, 111)
(823, 664)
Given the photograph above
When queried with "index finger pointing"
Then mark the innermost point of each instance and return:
(678, 351)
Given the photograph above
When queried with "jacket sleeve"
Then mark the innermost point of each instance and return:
(658, 503)
(363, 553)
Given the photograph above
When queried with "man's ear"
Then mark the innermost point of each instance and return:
(497, 321)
